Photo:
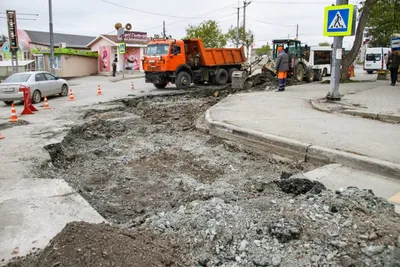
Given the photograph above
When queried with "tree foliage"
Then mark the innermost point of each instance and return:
(245, 38)
(324, 44)
(264, 50)
(209, 31)
(383, 22)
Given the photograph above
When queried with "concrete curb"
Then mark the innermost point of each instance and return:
(360, 113)
(298, 150)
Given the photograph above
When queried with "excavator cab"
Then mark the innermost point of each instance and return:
(291, 47)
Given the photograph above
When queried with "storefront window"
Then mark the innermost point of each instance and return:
(57, 62)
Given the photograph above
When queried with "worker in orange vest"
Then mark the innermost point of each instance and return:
(282, 67)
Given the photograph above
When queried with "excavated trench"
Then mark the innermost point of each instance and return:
(178, 197)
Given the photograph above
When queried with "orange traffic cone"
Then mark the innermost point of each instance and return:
(2, 137)
(132, 86)
(71, 95)
(14, 116)
(99, 90)
(46, 104)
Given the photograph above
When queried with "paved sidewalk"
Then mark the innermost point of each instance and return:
(380, 103)
(307, 132)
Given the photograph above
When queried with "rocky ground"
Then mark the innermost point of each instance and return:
(178, 197)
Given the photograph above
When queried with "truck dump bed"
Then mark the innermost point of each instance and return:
(214, 56)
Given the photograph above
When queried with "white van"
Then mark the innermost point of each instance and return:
(375, 59)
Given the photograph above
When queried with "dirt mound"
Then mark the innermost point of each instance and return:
(94, 245)
(267, 81)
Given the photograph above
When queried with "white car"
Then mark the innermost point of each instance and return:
(41, 83)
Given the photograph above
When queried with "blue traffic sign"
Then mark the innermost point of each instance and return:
(339, 20)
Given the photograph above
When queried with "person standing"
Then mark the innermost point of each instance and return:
(394, 63)
(114, 67)
(282, 67)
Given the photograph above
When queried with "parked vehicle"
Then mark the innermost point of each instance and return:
(375, 59)
(41, 84)
(182, 62)
(299, 67)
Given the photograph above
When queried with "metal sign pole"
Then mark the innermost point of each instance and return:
(334, 93)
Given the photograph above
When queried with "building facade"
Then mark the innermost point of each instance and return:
(72, 56)
(107, 47)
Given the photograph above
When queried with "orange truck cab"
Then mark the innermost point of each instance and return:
(183, 62)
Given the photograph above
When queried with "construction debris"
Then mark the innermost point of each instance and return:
(179, 197)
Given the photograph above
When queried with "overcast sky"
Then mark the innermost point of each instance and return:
(268, 19)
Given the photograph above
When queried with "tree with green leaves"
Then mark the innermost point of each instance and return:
(264, 50)
(384, 22)
(245, 38)
(324, 44)
(209, 31)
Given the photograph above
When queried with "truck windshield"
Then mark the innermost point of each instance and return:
(157, 49)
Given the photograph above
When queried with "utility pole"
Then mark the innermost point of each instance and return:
(244, 14)
(164, 34)
(244, 25)
(333, 94)
(51, 38)
(237, 26)
(297, 32)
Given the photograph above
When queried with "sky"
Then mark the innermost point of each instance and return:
(268, 19)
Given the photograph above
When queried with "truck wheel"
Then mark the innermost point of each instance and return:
(183, 80)
(230, 74)
(160, 85)
(221, 77)
(310, 76)
(299, 72)
(370, 71)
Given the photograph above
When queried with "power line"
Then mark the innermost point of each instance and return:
(268, 23)
(293, 2)
(23, 14)
(151, 13)
(18, 18)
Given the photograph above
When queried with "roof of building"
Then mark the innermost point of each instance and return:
(72, 41)
(114, 39)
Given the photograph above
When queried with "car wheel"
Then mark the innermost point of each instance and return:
(160, 85)
(370, 71)
(183, 80)
(324, 72)
(299, 72)
(64, 90)
(221, 77)
(36, 97)
(8, 103)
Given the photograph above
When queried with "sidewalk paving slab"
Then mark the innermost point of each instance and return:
(354, 141)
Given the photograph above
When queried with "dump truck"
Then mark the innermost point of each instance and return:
(300, 69)
(182, 62)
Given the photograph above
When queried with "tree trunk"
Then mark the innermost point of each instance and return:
(346, 62)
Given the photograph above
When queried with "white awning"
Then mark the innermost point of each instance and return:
(8, 63)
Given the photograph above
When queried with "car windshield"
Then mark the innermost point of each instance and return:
(373, 57)
(157, 49)
(17, 78)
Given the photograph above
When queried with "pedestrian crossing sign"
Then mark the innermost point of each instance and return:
(339, 20)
